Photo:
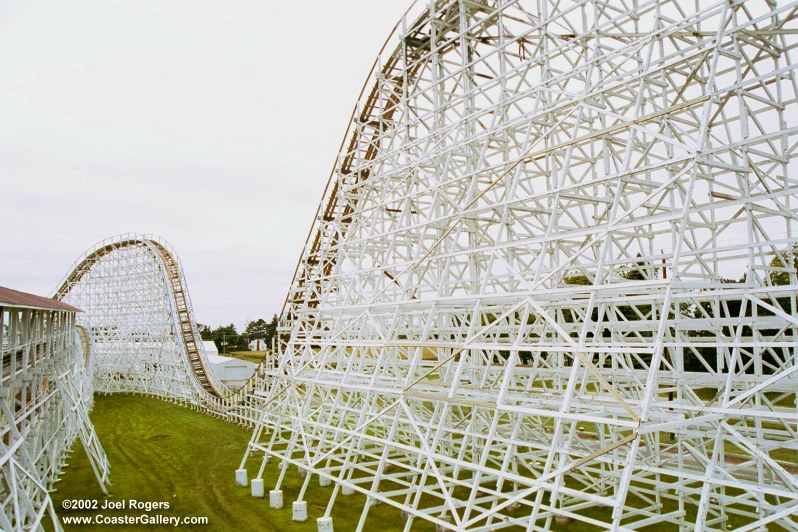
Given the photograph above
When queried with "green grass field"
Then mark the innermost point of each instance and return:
(249, 356)
(162, 452)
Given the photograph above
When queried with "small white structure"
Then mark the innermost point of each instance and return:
(258, 345)
(230, 369)
(210, 347)
(227, 368)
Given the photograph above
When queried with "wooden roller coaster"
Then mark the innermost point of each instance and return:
(185, 328)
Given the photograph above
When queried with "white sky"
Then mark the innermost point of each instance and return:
(211, 123)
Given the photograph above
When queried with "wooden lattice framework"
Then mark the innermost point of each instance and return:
(45, 397)
(553, 275)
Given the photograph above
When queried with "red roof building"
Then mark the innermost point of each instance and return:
(15, 298)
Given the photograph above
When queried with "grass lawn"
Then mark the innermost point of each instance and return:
(249, 356)
(162, 452)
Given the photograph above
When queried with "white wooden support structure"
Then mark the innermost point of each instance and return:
(45, 398)
(552, 276)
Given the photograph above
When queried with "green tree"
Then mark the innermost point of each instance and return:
(205, 332)
(635, 271)
(262, 330)
(227, 338)
(271, 330)
(783, 278)
(257, 329)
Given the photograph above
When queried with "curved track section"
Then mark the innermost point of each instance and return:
(135, 301)
(553, 275)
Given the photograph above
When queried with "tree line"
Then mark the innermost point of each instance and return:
(227, 338)
(706, 357)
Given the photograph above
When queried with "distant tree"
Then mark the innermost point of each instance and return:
(577, 279)
(205, 332)
(783, 278)
(271, 330)
(257, 329)
(635, 271)
(262, 330)
(228, 334)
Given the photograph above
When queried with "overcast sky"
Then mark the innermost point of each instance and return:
(211, 123)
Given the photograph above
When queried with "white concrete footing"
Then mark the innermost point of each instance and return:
(347, 490)
(324, 524)
(276, 499)
(444, 528)
(241, 477)
(324, 481)
(257, 487)
(300, 511)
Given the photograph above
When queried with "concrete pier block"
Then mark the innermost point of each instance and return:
(241, 477)
(276, 499)
(375, 502)
(257, 487)
(300, 511)
(445, 528)
(324, 524)
(347, 490)
(324, 481)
